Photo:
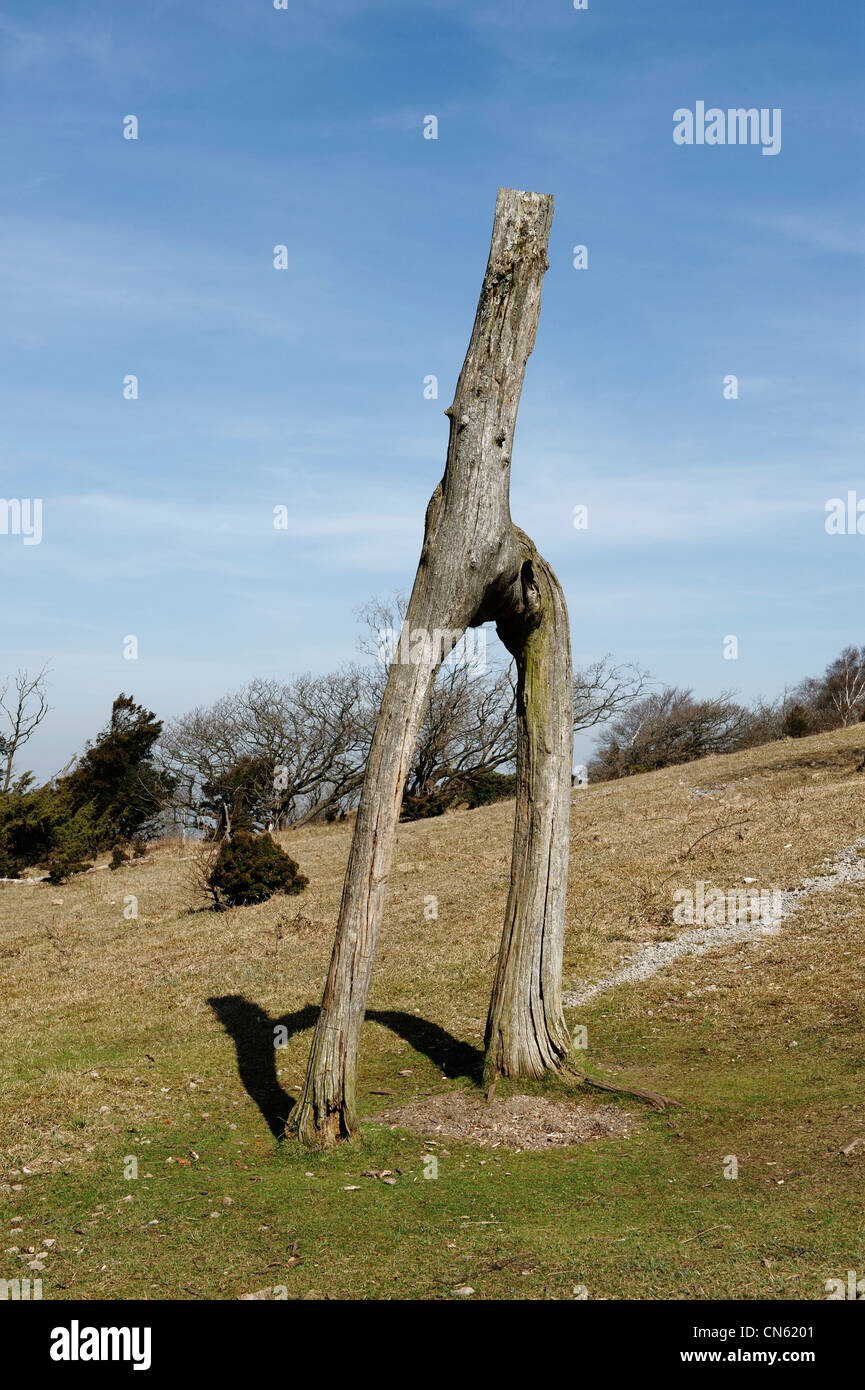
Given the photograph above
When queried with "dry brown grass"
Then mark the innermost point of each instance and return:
(86, 990)
(134, 1036)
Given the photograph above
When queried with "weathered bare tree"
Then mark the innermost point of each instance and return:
(288, 752)
(468, 724)
(845, 685)
(475, 566)
(605, 688)
(25, 705)
(667, 727)
(835, 700)
(303, 745)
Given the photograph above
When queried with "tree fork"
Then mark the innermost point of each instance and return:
(475, 567)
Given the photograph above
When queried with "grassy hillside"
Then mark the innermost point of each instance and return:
(152, 1038)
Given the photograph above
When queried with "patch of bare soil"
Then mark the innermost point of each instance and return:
(520, 1122)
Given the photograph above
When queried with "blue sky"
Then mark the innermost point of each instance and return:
(304, 387)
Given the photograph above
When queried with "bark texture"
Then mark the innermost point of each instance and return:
(475, 567)
(526, 1032)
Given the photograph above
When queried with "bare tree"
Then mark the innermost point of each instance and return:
(292, 749)
(669, 726)
(468, 724)
(25, 705)
(475, 567)
(605, 688)
(845, 685)
(837, 698)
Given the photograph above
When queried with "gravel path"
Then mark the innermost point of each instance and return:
(848, 867)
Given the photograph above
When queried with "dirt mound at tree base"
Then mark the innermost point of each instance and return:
(521, 1122)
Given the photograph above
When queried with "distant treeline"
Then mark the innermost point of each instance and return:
(671, 725)
(276, 753)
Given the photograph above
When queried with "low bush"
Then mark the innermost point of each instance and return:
(470, 790)
(252, 868)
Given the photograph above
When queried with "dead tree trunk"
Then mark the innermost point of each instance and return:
(526, 1032)
(475, 567)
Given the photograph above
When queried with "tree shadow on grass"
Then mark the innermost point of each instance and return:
(455, 1058)
(252, 1030)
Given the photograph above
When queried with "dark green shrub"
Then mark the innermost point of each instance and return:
(470, 789)
(72, 843)
(59, 870)
(115, 778)
(26, 827)
(483, 787)
(242, 796)
(251, 868)
(796, 722)
(419, 807)
(114, 793)
(119, 857)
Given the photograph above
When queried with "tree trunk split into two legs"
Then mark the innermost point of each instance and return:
(475, 567)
